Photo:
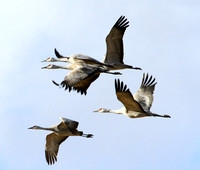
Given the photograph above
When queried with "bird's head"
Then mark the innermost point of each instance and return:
(51, 66)
(102, 110)
(34, 127)
(50, 59)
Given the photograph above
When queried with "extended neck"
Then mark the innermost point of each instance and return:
(64, 59)
(43, 128)
(67, 67)
(114, 111)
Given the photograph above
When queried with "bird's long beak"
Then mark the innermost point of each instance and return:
(44, 61)
(44, 67)
(30, 128)
(95, 110)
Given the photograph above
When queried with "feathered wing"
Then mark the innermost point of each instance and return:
(52, 146)
(124, 95)
(58, 54)
(144, 95)
(86, 59)
(114, 42)
(80, 79)
(71, 124)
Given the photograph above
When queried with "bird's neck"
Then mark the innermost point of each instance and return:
(66, 59)
(67, 67)
(43, 128)
(118, 111)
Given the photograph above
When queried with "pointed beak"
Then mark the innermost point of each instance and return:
(44, 67)
(30, 128)
(96, 111)
(44, 61)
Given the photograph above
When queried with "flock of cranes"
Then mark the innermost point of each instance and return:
(84, 71)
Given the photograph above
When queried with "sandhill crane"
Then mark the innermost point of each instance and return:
(114, 55)
(81, 76)
(60, 133)
(115, 50)
(138, 105)
(76, 58)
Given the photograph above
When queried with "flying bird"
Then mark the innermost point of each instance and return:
(115, 51)
(60, 133)
(138, 105)
(81, 76)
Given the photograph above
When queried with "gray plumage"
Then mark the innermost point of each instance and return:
(138, 105)
(60, 133)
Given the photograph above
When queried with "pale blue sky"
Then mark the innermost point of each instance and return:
(163, 38)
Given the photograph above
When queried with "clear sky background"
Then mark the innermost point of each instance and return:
(163, 39)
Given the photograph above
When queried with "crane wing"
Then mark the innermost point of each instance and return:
(70, 123)
(52, 146)
(144, 95)
(86, 59)
(124, 95)
(80, 78)
(58, 54)
(114, 42)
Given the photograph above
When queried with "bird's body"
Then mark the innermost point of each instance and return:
(81, 76)
(138, 105)
(60, 133)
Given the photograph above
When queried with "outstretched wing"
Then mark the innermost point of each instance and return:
(52, 146)
(124, 95)
(144, 95)
(80, 79)
(114, 42)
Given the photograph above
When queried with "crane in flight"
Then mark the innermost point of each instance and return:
(60, 133)
(138, 105)
(113, 60)
(81, 76)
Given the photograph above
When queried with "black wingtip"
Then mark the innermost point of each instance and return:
(146, 81)
(55, 83)
(57, 54)
(122, 23)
